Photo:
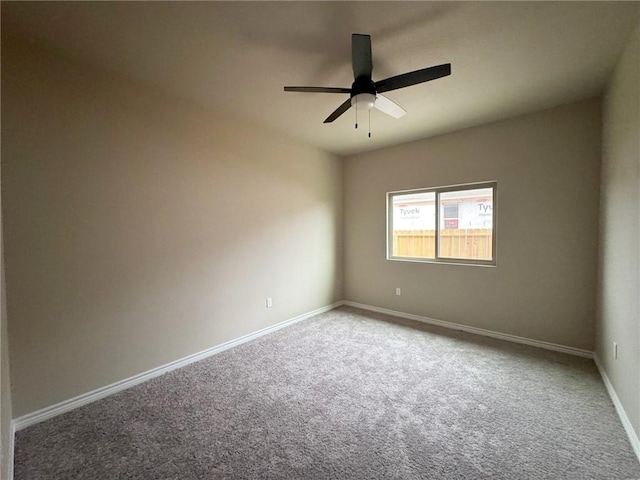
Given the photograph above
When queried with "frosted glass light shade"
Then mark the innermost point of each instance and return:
(363, 101)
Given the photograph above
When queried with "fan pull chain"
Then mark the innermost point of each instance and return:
(369, 123)
(356, 117)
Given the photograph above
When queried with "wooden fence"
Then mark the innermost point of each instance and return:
(473, 243)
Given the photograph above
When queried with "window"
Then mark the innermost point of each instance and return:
(454, 224)
(450, 214)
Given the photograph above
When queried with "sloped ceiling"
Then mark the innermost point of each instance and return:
(507, 58)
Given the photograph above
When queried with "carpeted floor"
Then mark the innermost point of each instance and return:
(347, 395)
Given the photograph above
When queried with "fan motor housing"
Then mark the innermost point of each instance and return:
(363, 85)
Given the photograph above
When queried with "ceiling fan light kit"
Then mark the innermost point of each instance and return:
(364, 93)
(363, 101)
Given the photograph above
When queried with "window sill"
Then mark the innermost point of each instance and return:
(446, 261)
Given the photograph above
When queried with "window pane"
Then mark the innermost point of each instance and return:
(468, 235)
(450, 210)
(414, 225)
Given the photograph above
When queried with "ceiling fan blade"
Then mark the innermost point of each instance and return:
(339, 111)
(361, 55)
(413, 78)
(390, 108)
(317, 89)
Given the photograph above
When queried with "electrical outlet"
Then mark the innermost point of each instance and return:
(398, 291)
(615, 350)
(269, 302)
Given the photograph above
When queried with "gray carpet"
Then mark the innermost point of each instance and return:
(347, 395)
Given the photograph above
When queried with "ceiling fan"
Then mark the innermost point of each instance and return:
(364, 93)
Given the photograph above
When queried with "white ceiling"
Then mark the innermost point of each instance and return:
(507, 58)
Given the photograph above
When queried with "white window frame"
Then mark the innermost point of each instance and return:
(438, 190)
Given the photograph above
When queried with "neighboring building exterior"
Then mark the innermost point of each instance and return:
(459, 210)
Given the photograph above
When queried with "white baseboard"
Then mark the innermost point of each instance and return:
(73, 403)
(478, 331)
(631, 433)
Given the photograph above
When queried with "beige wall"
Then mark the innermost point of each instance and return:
(5, 385)
(619, 292)
(140, 229)
(547, 167)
